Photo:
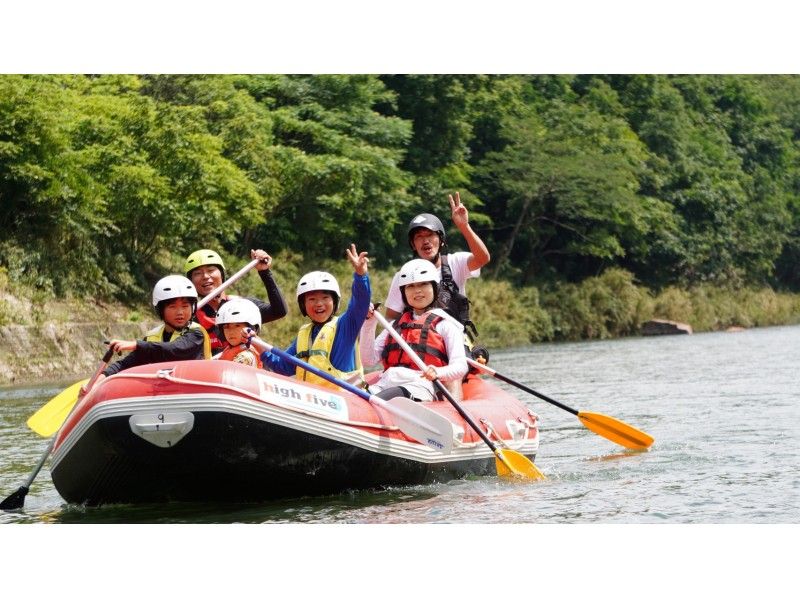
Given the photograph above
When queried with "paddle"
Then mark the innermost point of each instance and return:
(604, 425)
(413, 420)
(48, 419)
(46, 422)
(247, 267)
(508, 463)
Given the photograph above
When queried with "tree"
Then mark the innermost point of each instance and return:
(338, 163)
(563, 192)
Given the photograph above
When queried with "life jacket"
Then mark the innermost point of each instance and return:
(454, 302)
(318, 354)
(157, 335)
(421, 336)
(209, 322)
(241, 354)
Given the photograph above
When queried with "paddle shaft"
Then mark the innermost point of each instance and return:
(16, 500)
(421, 365)
(100, 367)
(519, 385)
(262, 345)
(227, 283)
(606, 426)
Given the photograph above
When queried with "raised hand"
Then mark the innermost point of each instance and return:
(360, 261)
(265, 260)
(458, 211)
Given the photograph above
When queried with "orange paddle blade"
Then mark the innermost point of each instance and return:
(615, 430)
(516, 465)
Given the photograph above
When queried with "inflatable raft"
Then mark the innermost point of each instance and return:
(204, 431)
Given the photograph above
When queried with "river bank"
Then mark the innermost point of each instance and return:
(43, 339)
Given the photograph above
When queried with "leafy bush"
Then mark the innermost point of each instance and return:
(708, 307)
(604, 306)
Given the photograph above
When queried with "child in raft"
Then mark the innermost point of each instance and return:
(432, 333)
(177, 338)
(328, 342)
(233, 320)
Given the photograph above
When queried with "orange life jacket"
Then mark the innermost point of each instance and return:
(209, 322)
(421, 336)
(233, 354)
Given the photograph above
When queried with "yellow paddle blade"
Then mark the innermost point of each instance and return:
(515, 465)
(615, 430)
(49, 418)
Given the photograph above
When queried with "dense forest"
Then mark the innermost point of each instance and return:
(109, 181)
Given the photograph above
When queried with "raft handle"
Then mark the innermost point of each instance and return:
(491, 432)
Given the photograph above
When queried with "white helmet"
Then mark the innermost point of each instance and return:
(239, 311)
(171, 287)
(418, 270)
(318, 281)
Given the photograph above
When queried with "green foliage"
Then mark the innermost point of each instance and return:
(506, 315)
(605, 306)
(337, 163)
(107, 182)
(719, 160)
(565, 192)
(437, 106)
(708, 307)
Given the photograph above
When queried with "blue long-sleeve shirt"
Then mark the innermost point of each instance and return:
(343, 351)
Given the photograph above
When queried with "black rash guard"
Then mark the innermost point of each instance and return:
(184, 348)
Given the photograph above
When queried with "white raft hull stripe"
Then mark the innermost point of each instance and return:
(281, 416)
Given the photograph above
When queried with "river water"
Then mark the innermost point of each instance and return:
(723, 408)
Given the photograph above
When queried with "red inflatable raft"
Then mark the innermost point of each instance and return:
(219, 431)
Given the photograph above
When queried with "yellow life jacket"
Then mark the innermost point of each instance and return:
(157, 335)
(319, 355)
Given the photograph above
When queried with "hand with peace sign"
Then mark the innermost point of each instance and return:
(360, 261)
(458, 211)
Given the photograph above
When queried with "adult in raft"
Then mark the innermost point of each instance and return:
(206, 270)
(427, 238)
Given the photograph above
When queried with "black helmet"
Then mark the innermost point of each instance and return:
(428, 221)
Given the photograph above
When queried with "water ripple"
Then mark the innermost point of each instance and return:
(722, 408)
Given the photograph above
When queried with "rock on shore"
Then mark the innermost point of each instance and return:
(658, 327)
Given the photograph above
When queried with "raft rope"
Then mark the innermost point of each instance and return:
(167, 375)
(492, 432)
(503, 444)
(528, 425)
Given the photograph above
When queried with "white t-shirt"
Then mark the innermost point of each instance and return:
(458, 266)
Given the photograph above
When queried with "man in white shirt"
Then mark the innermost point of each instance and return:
(427, 237)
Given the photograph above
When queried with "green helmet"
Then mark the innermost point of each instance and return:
(203, 257)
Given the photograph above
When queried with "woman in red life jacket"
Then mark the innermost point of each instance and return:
(434, 335)
(206, 270)
(233, 319)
